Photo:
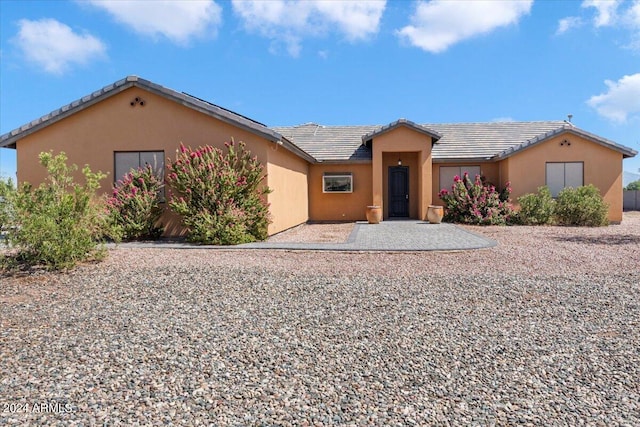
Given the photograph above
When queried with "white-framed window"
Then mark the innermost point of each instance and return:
(562, 175)
(337, 182)
(448, 173)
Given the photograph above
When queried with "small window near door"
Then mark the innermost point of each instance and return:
(448, 173)
(337, 182)
(562, 175)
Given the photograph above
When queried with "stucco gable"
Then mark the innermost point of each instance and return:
(10, 139)
(567, 129)
(398, 123)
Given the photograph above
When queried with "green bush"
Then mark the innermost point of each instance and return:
(7, 194)
(582, 206)
(473, 202)
(635, 185)
(537, 208)
(220, 196)
(133, 208)
(57, 224)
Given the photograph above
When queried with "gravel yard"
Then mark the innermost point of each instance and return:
(543, 329)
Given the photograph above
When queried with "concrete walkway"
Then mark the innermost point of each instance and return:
(403, 235)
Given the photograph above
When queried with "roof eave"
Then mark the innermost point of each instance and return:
(286, 143)
(626, 152)
(402, 122)
(9, 139)
(208, 109)
(464, 159)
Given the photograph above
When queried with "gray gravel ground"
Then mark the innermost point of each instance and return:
(541, 330)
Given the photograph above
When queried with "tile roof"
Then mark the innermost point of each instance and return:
(314, 142)
(486, 140)
(330, 143)
(10, 139)
(459, 141)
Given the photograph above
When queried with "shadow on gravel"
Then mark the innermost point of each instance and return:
(623, 239)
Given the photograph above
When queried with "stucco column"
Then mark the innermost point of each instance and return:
(376, 167)
(425, 182)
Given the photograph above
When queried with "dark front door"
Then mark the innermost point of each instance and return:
(399, 191)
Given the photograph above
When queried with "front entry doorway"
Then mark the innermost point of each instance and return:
(398, 191)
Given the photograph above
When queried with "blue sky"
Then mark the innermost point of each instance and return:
(336, 62)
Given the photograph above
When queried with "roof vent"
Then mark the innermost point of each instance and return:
(569, 117)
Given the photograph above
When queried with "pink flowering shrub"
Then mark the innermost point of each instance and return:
(133, 208)
(473, 202)
(220, 196)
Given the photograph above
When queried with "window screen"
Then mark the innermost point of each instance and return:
(125, 161)
(155, 159)
(562, 175)
(447, 173)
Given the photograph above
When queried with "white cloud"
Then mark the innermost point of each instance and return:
(503, 120)
(621, 100)
(179, 21)
(606, 11)
(436, 25)
(568, 23)
(632, 19)
(634, 14)
(617, 14)
(54, 46)
(355, 19)
(289, 22)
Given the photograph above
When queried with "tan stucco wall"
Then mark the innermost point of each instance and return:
(338, 206)
(602, 167)
(289, 199)
(403, 140)
(490, 171)
(503, 171)
(93, 134)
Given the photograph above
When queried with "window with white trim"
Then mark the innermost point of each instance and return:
(562, 175)
(448, 173)
(337, 182)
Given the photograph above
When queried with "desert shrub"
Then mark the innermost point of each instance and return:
(220, 196)
(473, 202)
(7, 193)
(537, 208)
(133, 208)
(58, 223)
(582, 206)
